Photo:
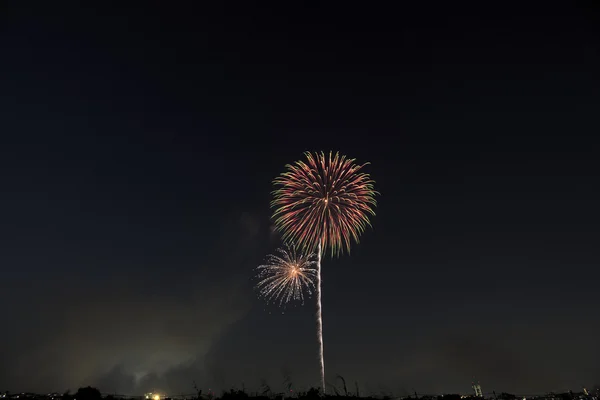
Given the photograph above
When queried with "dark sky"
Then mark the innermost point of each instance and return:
(137, 152)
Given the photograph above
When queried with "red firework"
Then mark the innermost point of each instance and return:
(323, 199)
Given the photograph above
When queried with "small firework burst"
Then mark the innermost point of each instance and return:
(324, 200)
(287, 276)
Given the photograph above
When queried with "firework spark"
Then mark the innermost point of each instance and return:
(322, 204)
(325, 199)
(287, 276)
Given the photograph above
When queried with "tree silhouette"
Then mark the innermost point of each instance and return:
(88, 393)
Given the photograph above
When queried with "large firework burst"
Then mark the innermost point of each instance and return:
(325, 199)
(323, 202)
(287, 276)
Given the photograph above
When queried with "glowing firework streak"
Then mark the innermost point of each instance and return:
(286, 276)
(320, 320)
(323, 202)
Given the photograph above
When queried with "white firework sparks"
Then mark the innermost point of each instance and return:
(287, 276)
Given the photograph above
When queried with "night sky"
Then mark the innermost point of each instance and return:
(137, 152)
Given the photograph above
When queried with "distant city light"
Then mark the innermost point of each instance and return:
(152, 396)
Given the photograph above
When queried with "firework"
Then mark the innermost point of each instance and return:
(287, 276)
(325, 199)
(323, 203)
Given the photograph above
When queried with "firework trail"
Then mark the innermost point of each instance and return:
(323, 203)
(320, 321)
(286, 276)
